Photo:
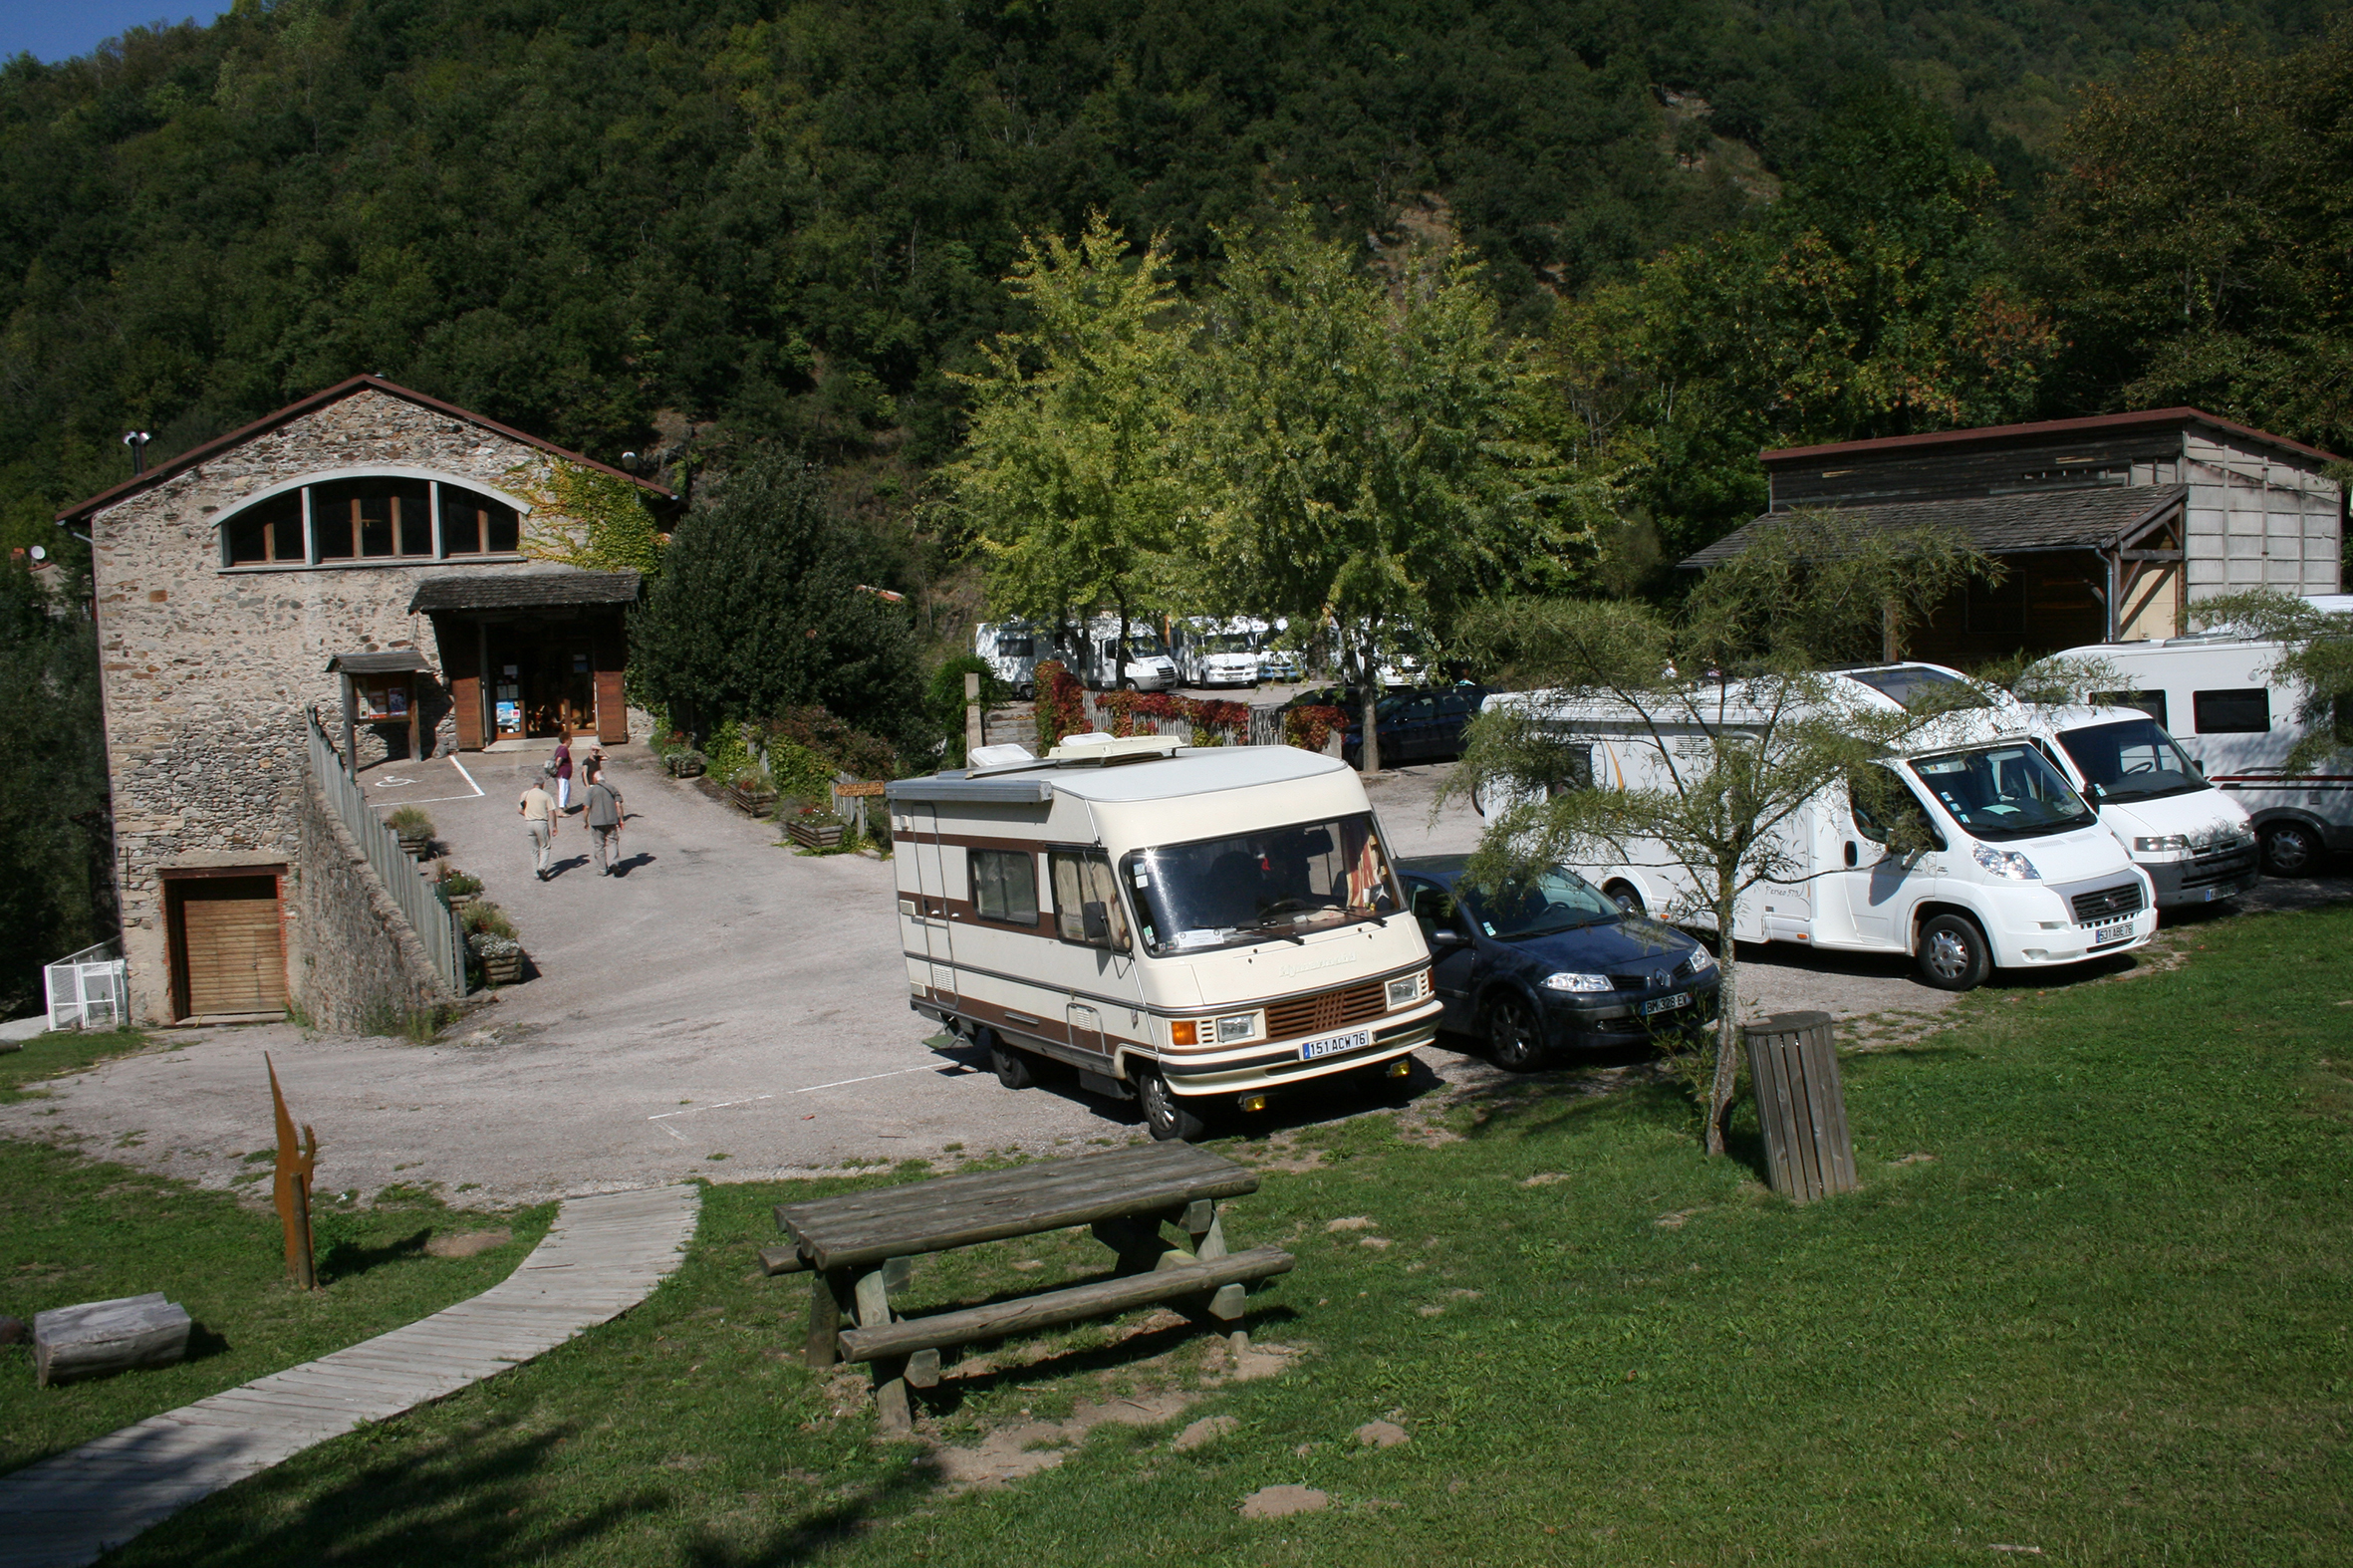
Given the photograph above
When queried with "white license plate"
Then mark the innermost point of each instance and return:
(1311, 1049)
(1666, 1004)
(2102, 935)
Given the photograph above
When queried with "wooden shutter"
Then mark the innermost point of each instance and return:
(231, 950)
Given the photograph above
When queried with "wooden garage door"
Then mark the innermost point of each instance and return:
(232, 960)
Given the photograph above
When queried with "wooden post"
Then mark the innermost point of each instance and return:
(415, 754)
(1801, 1106)
(827, 1293)
(873, 1294)
(350, 752)
(297, 1159)
(974, 739)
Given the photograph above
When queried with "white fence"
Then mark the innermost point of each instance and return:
(85, 990)
(428, 917)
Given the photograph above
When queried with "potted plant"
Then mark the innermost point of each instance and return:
(751, 793)
(816, 830)
(460, 890)
(413, 829)
(686, 763)
(490, 937)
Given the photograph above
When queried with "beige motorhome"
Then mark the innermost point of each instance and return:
(1189, 926)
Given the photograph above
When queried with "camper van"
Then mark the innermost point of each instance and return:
(1198, 929)
(1211, 652)
(2018, 871)
(2196, 842)
(1145, 666)
(2236, 722)
(1013, 648)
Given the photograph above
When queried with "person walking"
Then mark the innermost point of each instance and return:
(540, 819)
(561, 765)
(604, 808)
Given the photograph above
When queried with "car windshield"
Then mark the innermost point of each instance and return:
(1258, 886)
(1538, 905)
(2134, 759)
(2003, 792)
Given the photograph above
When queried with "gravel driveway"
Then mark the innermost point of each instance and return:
(727, 1008)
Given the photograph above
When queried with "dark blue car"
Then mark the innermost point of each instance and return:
(1549, 964)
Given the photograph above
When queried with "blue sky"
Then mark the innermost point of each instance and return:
(61, 29)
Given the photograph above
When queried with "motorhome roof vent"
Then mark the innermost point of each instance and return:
(1095, 749)
(1007, 759)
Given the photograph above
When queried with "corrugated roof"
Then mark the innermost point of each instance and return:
(2089, 519)
(523, 591)
(391, 661)
(1993, 435)
(311, 405)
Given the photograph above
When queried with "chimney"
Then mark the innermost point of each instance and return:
(137, 440)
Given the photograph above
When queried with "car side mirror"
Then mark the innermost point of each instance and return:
(1447, 936)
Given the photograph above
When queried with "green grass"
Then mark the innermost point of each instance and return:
(73, 1229)
(2105, 1316)
(48, 1055)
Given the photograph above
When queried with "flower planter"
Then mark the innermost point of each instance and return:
(505, 969)
(417, 844)
(817, 833)
(752, 800)
(684, 766)
(459, 902)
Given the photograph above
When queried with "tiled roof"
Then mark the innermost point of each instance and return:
(320, 400)
(523, 591)
(2088, 519)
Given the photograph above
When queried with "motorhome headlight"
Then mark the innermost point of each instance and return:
(1568, 980)
(1404, 991)
(2008, 863)
(2161, 843)
(1236, 1026)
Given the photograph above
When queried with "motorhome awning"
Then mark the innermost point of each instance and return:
(944, 790)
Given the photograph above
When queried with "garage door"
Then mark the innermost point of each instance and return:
(231, 956)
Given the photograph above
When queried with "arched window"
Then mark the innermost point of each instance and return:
(364, 518)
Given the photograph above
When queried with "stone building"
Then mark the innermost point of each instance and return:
(381, 558)
(2109, 528)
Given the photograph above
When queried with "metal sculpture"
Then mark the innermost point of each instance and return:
(296, 1161)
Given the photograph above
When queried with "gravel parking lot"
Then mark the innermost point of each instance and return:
(727, 1008)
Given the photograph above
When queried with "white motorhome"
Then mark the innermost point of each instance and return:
(1212, 652)
(1144, 666)
(2219, 696)
(2196, 842)
(1194, 928)
(2018, 871)
(1013, 648)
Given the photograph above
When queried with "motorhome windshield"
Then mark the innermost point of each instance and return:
(1226, 643)
(1147, 648)
(2003, 792)
(2134, 759)
(1262, 886)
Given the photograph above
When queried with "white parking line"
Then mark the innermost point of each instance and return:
(662, 1118)
(435, 800)
(928, 1067)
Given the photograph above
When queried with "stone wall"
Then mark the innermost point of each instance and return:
(356, 963)
(207, 671)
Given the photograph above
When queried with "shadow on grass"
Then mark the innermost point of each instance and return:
(955, 1388)
(347, 1259)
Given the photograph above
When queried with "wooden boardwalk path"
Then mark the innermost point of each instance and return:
(603, 1256)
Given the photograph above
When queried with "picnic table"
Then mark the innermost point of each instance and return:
(862, 1246)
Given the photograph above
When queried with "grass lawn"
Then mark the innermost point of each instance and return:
(2092, 1300)
(74, 1230)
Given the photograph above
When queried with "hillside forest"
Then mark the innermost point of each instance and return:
(730, 235)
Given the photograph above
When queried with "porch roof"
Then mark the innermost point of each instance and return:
(391, 661)
(523, 591)
(2103, 518)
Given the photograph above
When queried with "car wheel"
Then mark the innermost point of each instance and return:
(1165, 1113)
(2289, 849)
(1953, 955)
(1014, 1068)
(1628, 900)
(1513, 1039)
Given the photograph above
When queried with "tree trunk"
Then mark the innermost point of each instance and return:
(1727, 1025)
(1369, 761)
(1368, 684)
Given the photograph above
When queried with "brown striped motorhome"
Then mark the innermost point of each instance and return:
(1195, 928)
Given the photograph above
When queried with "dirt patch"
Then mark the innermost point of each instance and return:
(468, 1243)
(1026, 1447)
(1381, 1434)
(1204, 1432)
(1280, 1502)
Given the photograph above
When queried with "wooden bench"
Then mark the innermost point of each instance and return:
(862, 1247)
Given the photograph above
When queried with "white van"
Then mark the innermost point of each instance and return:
(2237, 721)
(1144, 666)
(2020, 872)
(1211, 652)
(2196, 842)
(1013, 648)
(1197, 929)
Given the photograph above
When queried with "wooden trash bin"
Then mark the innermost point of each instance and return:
(1801, 1106)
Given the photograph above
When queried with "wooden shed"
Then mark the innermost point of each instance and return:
(2112, 527)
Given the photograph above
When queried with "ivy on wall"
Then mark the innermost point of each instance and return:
(580, 517)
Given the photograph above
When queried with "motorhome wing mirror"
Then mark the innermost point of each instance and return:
(1096, 922)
